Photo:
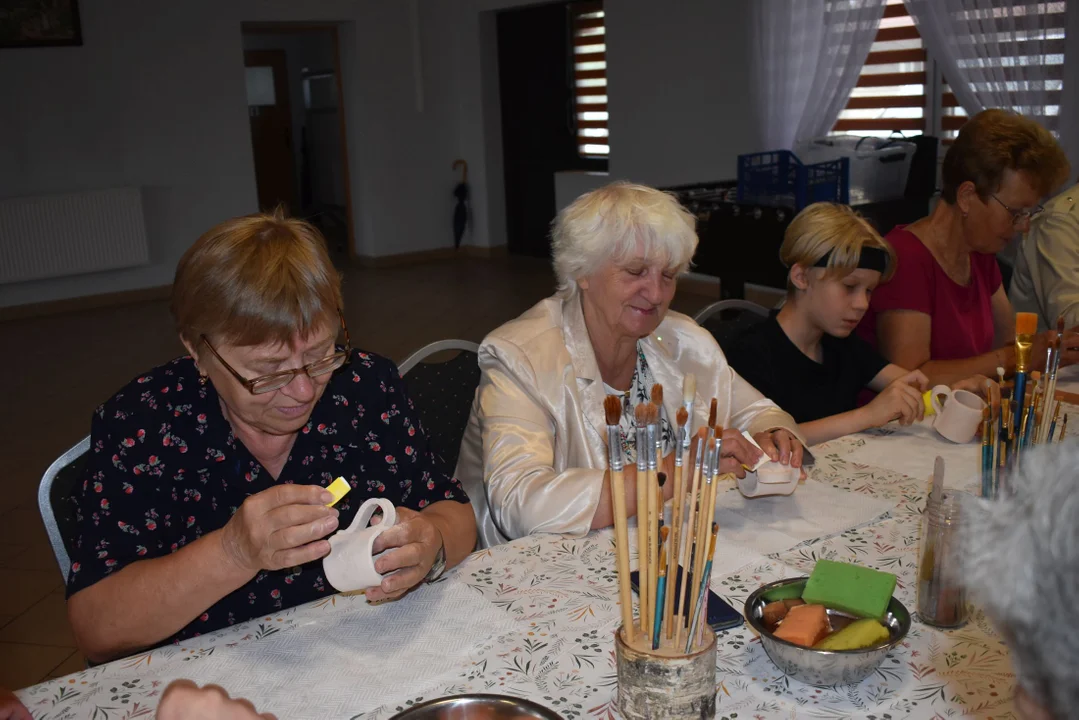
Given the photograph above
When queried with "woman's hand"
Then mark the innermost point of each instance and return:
(980, 385)
(412, 546)
(11, 708)
(184, 700)
(901, 400)
(780, 446)
(1069, 348)
(281, 527)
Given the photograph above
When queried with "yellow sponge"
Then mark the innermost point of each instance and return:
(338, 488)
(859, 634)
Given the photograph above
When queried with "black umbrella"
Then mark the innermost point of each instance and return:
(460, 211)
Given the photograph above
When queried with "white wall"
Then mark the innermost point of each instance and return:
(155, 98)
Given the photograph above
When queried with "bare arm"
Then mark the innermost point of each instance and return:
(150, 600)
(1003, 319)
(457, 525)
(904, 339)
(899, 398)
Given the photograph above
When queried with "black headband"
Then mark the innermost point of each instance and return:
(871, 258)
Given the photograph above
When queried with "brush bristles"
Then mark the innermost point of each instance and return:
(1060, 326)
(702, 433)
(718, 430)
(713, 411)
(1026, 323)
(657, 395)
(681, 417)
(640, 414)
(689, 386)
(664, 533)
(612, 408)
(661, 478)
(652, 416)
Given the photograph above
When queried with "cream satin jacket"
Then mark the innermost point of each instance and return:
(535, 449)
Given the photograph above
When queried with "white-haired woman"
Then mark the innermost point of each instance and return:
(1021, 559)
(534, 454)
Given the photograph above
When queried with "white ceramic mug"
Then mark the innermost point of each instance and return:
(350, 564)
(958, 416)
(771, 478)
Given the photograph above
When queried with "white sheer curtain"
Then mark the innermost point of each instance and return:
(807, 55)
(995, 53)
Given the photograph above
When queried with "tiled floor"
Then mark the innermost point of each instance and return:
(55, 370)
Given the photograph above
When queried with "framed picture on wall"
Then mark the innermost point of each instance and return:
(39, 23)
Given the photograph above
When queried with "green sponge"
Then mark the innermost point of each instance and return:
(860, 591)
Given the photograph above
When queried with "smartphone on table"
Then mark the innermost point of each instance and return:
(721, 616)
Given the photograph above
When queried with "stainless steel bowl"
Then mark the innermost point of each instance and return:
(821, 667)
(477, 707)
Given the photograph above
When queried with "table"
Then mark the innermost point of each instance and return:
(556, 600)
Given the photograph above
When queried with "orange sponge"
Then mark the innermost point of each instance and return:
(805, 625)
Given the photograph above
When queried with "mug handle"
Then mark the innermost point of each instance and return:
(367, 511)
(934, 397)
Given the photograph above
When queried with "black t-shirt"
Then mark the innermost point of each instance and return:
(808, 390)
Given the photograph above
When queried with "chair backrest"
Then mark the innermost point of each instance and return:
(443, 393)
(727, 318)
(56, 502)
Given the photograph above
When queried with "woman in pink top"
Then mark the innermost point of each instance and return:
(945, 310)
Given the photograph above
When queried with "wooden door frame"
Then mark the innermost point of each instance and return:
(298, 28)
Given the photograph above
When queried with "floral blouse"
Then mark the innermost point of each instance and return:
(164, 469)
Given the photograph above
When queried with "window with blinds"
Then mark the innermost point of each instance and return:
(1040, 40)
(590, 78)
(891, 90)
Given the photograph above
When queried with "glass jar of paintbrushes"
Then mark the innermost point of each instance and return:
(941, 598)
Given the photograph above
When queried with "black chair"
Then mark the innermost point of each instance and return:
(55, 499)
(727, 319)
(443, 392)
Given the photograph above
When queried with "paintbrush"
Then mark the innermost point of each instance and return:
(994, 450)
(689, 392)
(653, 510)
(1064, 428)
(1053, 424)
(1033, 408)
(690, 539)
(612, 408)
(640, 416)
(657, 400)
(677, 509)
(987, 461)
(704, 514)
(713, 411)
(661, 593)
(1051, 390)
(702, 591)
(1026, 325)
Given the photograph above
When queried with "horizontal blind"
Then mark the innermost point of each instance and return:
(1039, 38)
(590, 78)
(891, 90)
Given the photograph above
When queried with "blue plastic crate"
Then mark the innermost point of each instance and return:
(779, 178)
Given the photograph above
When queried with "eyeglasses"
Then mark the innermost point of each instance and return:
(278, 380)
(1019, 214)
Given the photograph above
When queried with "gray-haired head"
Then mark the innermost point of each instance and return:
(1021, 562)
(617, 222)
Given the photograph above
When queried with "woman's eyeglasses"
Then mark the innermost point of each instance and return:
(1019, 215)
(278, 380)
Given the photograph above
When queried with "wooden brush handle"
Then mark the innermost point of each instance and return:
(621, 549)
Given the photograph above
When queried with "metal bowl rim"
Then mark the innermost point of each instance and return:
(529, 704)
(757, 625)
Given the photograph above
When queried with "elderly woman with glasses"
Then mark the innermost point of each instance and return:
(1020, 557)
(534, 454)
(945, 310)
(204, 499)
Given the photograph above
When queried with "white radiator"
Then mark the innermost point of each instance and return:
(57, 235)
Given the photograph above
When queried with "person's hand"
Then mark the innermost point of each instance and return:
(11, 708)
(780, 445)
(281, 527)
(412, 545)
(901, 400)
(735, 452)
(184, 700)
(1069, 348)
(980, 385)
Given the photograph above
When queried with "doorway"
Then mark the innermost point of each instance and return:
(297, 120)
(539, 133)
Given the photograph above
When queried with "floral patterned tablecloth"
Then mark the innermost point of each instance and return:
(561, 594)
